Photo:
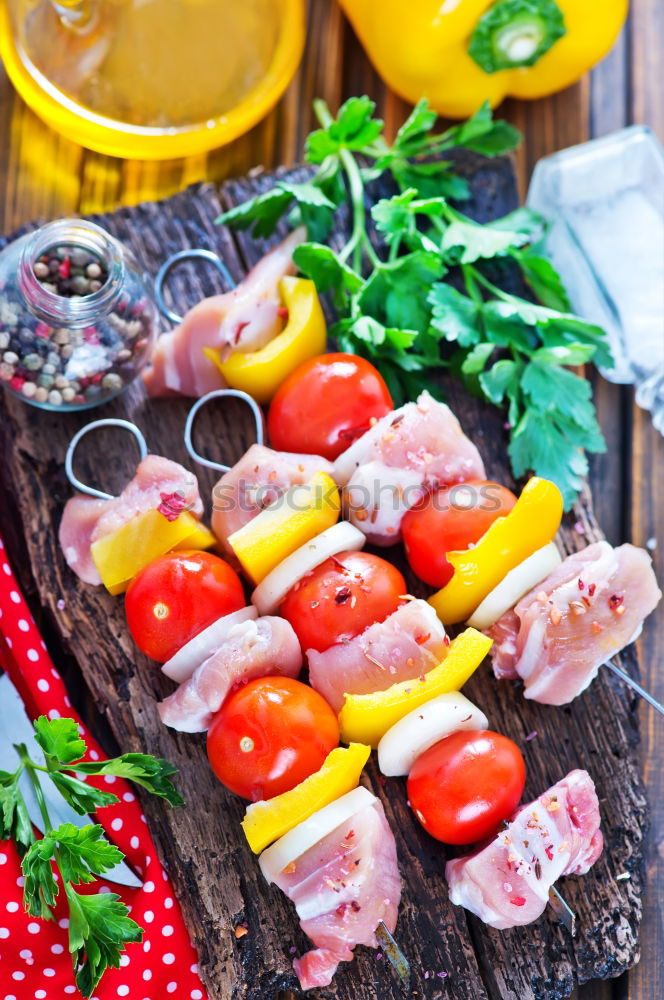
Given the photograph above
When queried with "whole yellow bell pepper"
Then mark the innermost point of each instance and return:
(367, 717)
(460, 53)
(260, 373)
(531, 524)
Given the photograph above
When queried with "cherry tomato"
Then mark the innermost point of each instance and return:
(450, 519)
(342, 597)
(463, 787)
(178, 595)
(325, 404)
(269, 735)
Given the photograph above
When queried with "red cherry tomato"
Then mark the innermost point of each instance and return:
(269, 735)
(342, 597)
(463, 787)
(325, 404)
(178, 595)
(450, 519)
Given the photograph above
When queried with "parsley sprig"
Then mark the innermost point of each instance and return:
(99, 925)
(430, 297)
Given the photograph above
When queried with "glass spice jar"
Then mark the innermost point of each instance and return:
(77, 316)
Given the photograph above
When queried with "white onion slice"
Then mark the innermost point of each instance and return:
(408, 738)
(297, 841)
(347, 462)
(181, 666)
(512, 587)
(272, 591)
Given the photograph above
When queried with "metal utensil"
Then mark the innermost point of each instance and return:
(394, 953)
(16, 727)
(562, 910)
(635, 686)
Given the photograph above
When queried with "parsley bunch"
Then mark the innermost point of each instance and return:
(430, 299)
(99, 925)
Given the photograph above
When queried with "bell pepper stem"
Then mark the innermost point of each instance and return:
(515, 33)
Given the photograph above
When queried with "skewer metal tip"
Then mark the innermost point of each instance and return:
(625, 677)
(394, 953)
(562, 910)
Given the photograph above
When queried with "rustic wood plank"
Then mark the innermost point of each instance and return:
(645, 506)
(214, 874)
(40, 174)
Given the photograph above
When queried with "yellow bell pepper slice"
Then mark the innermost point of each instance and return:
(367, 717)
(531, 524)
(292, 520)
(264, 822)
(260, 373)
(462, 53)
(120, 555)
(200, 538)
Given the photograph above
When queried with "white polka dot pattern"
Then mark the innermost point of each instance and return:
(35, 956)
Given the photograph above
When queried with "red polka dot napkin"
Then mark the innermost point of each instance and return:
(34, 956)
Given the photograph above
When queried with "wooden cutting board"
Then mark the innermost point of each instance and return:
(216, 877)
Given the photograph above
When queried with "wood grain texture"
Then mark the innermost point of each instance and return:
(43, 175)
(215, 876)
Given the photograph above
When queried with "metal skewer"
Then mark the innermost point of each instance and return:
(394, 953)
(73, 444)
(619, 672)
(562, 910)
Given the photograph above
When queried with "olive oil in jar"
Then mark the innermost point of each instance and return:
(151, 63)
(151, 78)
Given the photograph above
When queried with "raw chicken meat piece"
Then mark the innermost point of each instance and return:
(244, 319)
(342, 888)
(260, 648)
(257, 480)
(588, 609)
(79, 520)
(85, 519)
(406, 645)
(412, 450)
(507, 882)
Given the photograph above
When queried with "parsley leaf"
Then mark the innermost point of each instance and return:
(81, 797)
(481, 134)
(40, 887)
(475, 241)
(454, 315)
(476, 359)
(540, 442)
(59, 739)
(413, 136)
(354, 129)
(392, 294)
(14, 819)
(152, 773)
(99, 927)
(396, 219)
(321, 264)
(543, 278)
(262, 212)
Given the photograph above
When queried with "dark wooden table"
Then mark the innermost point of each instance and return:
(43, 176)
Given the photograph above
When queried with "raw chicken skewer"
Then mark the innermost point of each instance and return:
(157, 484)
(556, 636)
(339, 867)
(507, 882)
(244, 319)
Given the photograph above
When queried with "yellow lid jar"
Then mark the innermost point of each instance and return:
(151, 79)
